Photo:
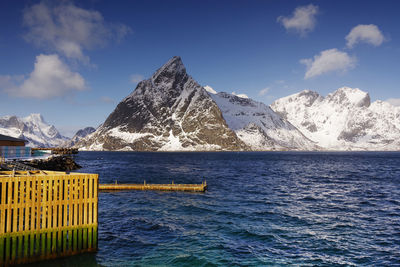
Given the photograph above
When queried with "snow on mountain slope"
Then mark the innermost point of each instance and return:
(258, 125)
(32, 128)
(80, 134)
(343, 120)
(168, 112)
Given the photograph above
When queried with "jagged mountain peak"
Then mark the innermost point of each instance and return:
(308, 93)
(344, 120)
(80, 134)
(258, 126)
(34, 117)
(173, 69)
(169, 111)
(85, 131)
(33, 128)
(350, 96)
(305, 97)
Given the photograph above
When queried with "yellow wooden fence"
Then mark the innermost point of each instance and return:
(46, 214)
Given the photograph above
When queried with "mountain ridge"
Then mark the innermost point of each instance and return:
(343, 120)
(169, 111)
(32, 128)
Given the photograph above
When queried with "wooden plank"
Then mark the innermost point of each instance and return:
(85, 189)
(75, 215)
(80, 211)
(3, 219)
(21, 202)
(8, 220)
(70, 211)
(3, 206)
(64, 217)
(33, 214)
(95, 213)
(59, 213)
(14, 220)
(2, 243)
(90, 211)
(44, 212)
(55, 215)
(27, 189)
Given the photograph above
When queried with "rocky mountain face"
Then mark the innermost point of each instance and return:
(258, 126)
(80, 134)
(168, 112)
(344, 120)
(32, 128)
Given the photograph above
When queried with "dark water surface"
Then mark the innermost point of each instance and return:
(261, 209)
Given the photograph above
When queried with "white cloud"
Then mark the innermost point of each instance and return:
(263, 91)
(68, 29)
(328, 61)
(136, 78)
(365, 33)
(303, 19)
(394, 101)
(50, 78)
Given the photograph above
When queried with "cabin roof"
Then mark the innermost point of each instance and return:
(12, 139)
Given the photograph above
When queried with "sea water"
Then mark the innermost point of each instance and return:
(260, 209)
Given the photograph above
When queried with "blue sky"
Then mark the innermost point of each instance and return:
(74, 61)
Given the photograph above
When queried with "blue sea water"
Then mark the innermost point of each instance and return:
(261, 209)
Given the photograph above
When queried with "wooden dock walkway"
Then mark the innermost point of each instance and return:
(158, 187)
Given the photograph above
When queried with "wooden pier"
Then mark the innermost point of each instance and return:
(159, 187)
(45, 214)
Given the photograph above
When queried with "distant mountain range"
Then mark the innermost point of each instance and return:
(37, 131)
(170, 111)
(343, 120)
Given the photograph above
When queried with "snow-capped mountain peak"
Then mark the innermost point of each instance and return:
(343, 120)
(350, 97)
(258, 125)
(36, 118)
(169, 111)
(32, 128)
(80, 134)
(172, 68)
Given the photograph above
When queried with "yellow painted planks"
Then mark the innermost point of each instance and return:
(45, 215)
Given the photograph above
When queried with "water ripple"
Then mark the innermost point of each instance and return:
(274, 209)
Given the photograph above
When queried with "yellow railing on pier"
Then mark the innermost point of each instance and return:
(46, 214)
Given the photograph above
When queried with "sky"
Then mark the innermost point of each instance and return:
(74, 61)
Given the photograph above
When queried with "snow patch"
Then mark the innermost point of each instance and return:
(240, 95)
(210, 89)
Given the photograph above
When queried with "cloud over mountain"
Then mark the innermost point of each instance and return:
(328, 61)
